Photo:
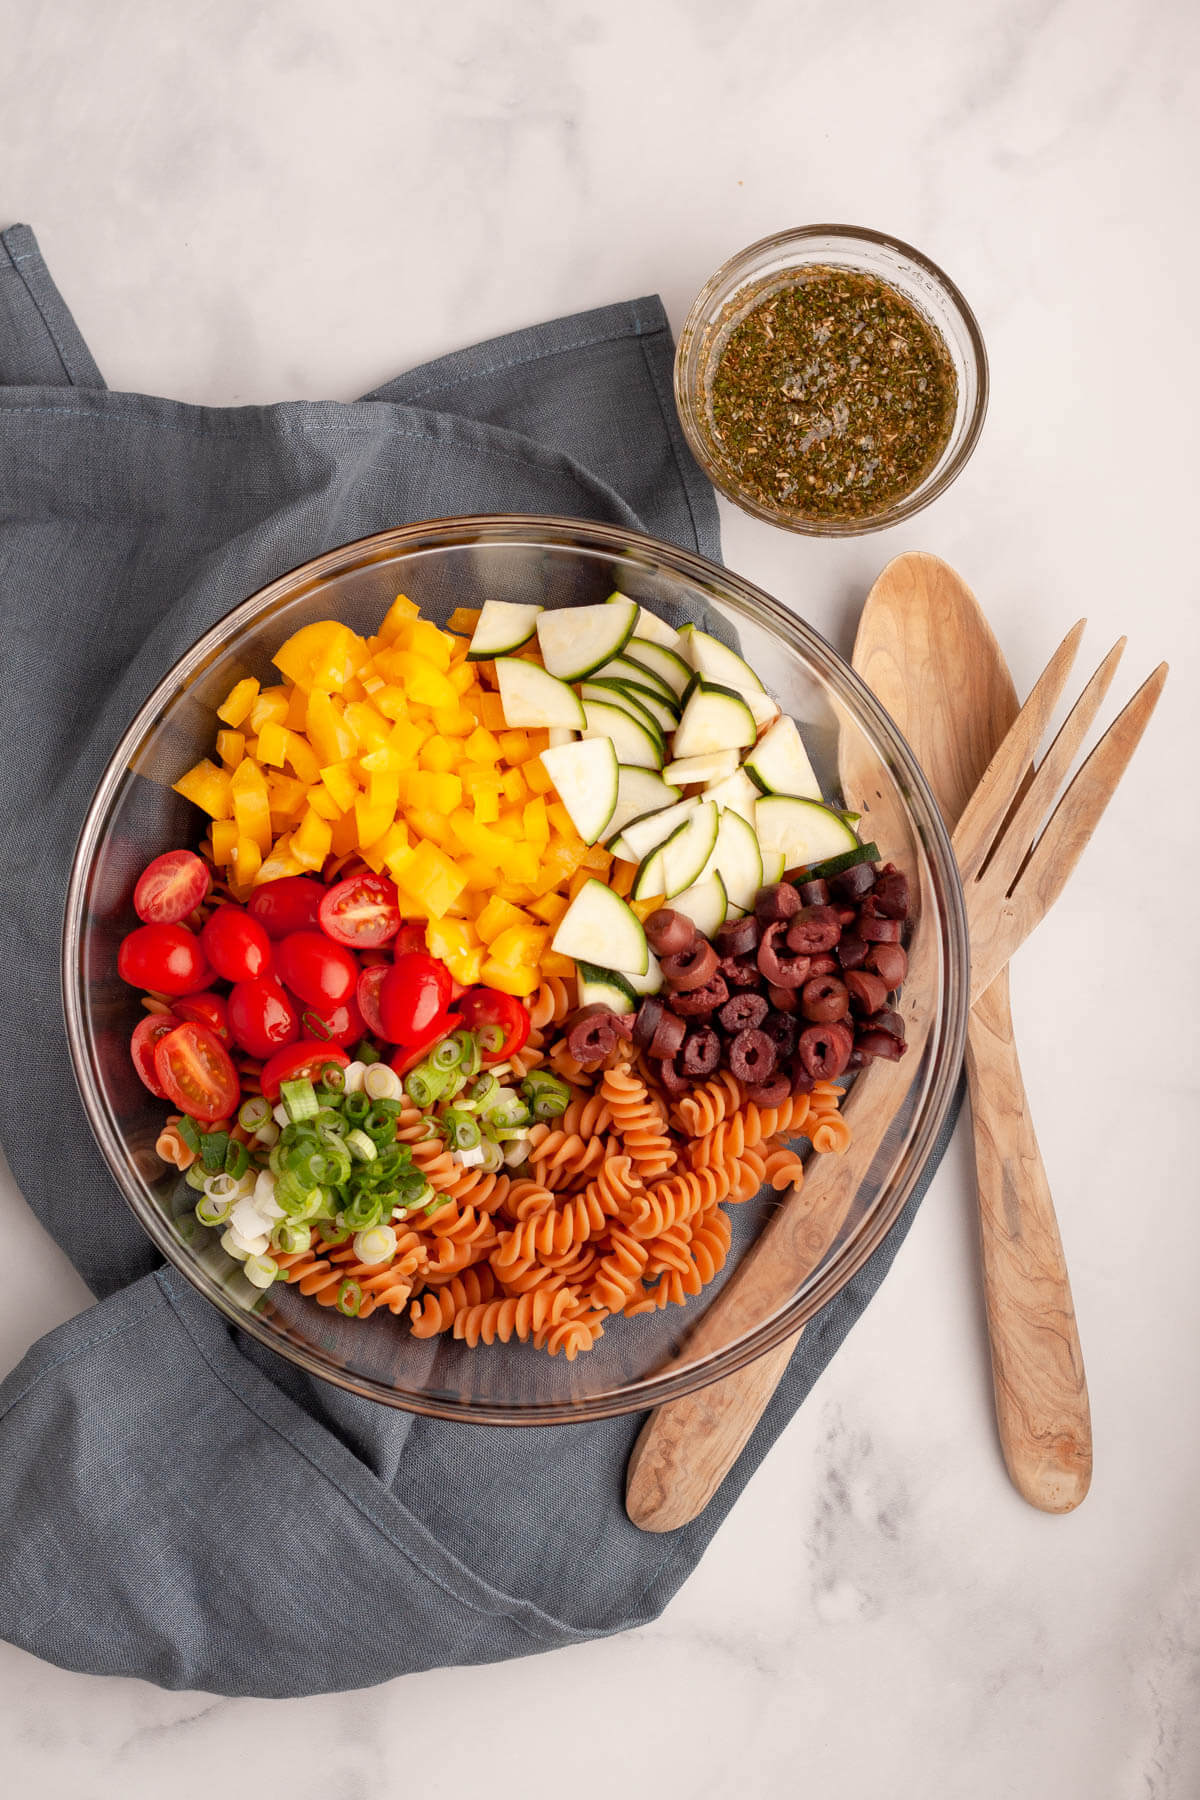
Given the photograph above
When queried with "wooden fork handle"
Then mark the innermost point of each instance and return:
(1037, 1364)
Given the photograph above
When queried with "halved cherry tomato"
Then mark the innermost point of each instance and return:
(170, 887)
(318, 972)
(412, 1054)
(414, 998)
(488, 1006)
(196, 1073)
(367, 996)
(262, 1016)
(146, 1034)
(236, 945)
(293, 903)
(411, 936)
(206, 1009)
(342, 1024)
(306, 1058)
(164, 958)
(363, 911)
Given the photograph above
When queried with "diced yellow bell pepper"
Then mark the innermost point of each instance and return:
(491, 712)
(271, 705)
(550, 908)
(558, 863)
(311, 840)
(514, 745)
(393, 843)
(429, 877)
(563, 823)
(297, 712)
(643, 908)
(224, 841)
(536, 778)
(383, 791)
(431, 825)
(251, 804)
(450, 937)
(325, 654)
(370, 685)
(480, 875)
(438, 791)
(520, 862)
(341, 785)
(406, 738)
(519, 982)
(231, 747)
(621, 878)
(536, 821)
(239, 702)
(498, 916)
(456, 721)
(247, 861)
(369, 726)
(326, 729)
(208, 787)
(462, 678)
(345, 834)
(387, 760)
(303, 759)
(287, 796)
(464, 619)
(273, 743)
(510, 825)
(517, 893)
(579, 881)
(371, 819)
(400, 613)
(355, 689)
(520, 944)
(323, 803)
(597, 859)
(440, 753)
(515, 790)
(482, 746)
(429, 641)
(485, 803)
(423, 682)
(279, 863)
(554, 964)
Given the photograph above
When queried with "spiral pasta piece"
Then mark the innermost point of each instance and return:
(698, 1112)
(561, 1156)
(551, 1002)
(639, 1121)
(747, 1128)
(620, 1271)
(519, 1316)
(678, 1199)
(434, 1311)
(782, 1168)
(170, 1147)
(830, 1135)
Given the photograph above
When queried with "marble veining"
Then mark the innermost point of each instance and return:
(245, 205)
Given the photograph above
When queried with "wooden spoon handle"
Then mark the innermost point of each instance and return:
(1037, 1364)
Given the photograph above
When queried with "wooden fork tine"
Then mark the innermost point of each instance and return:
(989, 805)
(1019, 832)
(1070, 826)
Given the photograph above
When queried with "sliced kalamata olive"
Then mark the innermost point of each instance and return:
(776, 962)
(867, 992)
(814, 893)
(846, 915)
(772, 1092)
(854, 882)
(890, 963)
(592, 1035)
(697, 1003)
(784, 1000)
(692, 967)
(824, 999)
(886, 1019)
(668, 931)
(890, 894)
(740, 971)
(781, 1029)
(814, 930)
(870, 1044)
(737, 937)
(879, 931)
(648, 1015)
(673, 1081)
(851, 952)
(780, 901)
(825, 1049)
(857, 1059)
(802, 1081)
(743, 1012)
(701, 1051)
(622, 1024)
(823, 965)
(669, 1034)
(752, 1056)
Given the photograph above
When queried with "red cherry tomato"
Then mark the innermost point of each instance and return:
(342, 1024)
(170, 888)
(362, 911)
(262, 1016)
(306, 1058)
(146, 1034)
(414, 998)
(318, 972)
(167, 959)
(411, 1054)
(480, 1006)
(293, 903)
(367, 996)
(196, 1073)
(236, 945)
(206, 1009)
(409, 937)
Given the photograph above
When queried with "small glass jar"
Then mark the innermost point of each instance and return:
(772, 264)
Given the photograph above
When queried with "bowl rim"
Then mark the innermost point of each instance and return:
(902, 510)
(706, 576)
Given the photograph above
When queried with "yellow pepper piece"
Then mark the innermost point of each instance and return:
(462, 679)
(287, 796)
(423, 682)
(369, 726)
(341, 785)
(345, 834)
(273, 743)
(247, 861)
(429, 877)
(455, 721)
(271, 705)
(643, 908)
(251, 804)
(485, 802)
(491, 712)
(323, 803)
(427, 640)
(239, 701)
(207, 787)
(464, 619)
(498, 916)
(388, 700)
(224, 841)
(231, 747)
(550, 908)
(482, 746)
(279, 863)
(430, 825)
(394, 842)
(331, 738)
(597, 859)
(325, 654)
(520, 862)
(514, 745)
(520, 944)
(400, 613)
(519, 982)
(450, 937)
(536, 821)
(515, 790)
(371, 819)
(406, 739)
(440, 753)
(536, 778)
(439, 792)
(554, 964)
(312, 839)
(387, 760)
(302, 758)
(480, 875)
(297, 713)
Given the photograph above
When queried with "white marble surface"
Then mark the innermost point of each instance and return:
(275, 201)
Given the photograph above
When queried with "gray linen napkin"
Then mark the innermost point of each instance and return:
(176, 1502)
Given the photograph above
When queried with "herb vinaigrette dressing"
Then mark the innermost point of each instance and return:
(834, 397)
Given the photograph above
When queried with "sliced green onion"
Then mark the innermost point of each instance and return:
(300, 1099)
(366, 1052)
(349, 1298)
(438, 1201)
(335, 1235)
(380, 1123)
(491, 1038)
(230, 1247)
(333, 1078)
(237, 1159)
(213, 1146)
(412, 1188)
(424, 1086)
(290, 1236)
(355, 1108)
(445, 1055)
(267, 1135)
(493, 1156)
(254, 1113)
(189, 1134)
(261, 1271)
(364, 1210)
(485, 1092)
(462, 1131)
(195, 1177)
(315, 1025)
(210, 1210)
(361, 1147)
(470, 1056)
(547, 1094)
(378, 1245)
(381, 1083)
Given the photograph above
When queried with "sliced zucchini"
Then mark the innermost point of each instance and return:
(639, 791)
(503, 626)
(664, 660)
(624, 668)
(651, 627)
(644, 835)
(651, 877)
(837, 865)
(585, 776)
(604, 987)
(803, 830)
(651, 981)
(779, 764)
(713, 661)
(736, 794)
(560, 735)
(774, 863)
(532, 698)
(686, 851)
(705, 904)
(715, 718)
(597, 924)
(703, 769)
(665, 713)
(578, 640)
(617, 694)
(640, 745)
(737, 859)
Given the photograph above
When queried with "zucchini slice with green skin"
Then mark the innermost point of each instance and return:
(715, 718)
(737, 859)
(735, 794)
(644, 835)
(604, 987)
(716, 766)
(651, 981)
(665, 713)
(651, 627)
(560, 735)
(598, 923)
(706, 904)
(624, 668)
(778, 763)
(803, 831)
(639, 791)
(585, 777)
(502, 626)
(666, 661)
(615, 693)
(837, 865)
(774, 863)
(575, 641)
(686, 851)
(640, 745)
(532, 699)
(713, 661)
(651, 877)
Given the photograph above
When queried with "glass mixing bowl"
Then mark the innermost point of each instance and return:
(859, 755)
